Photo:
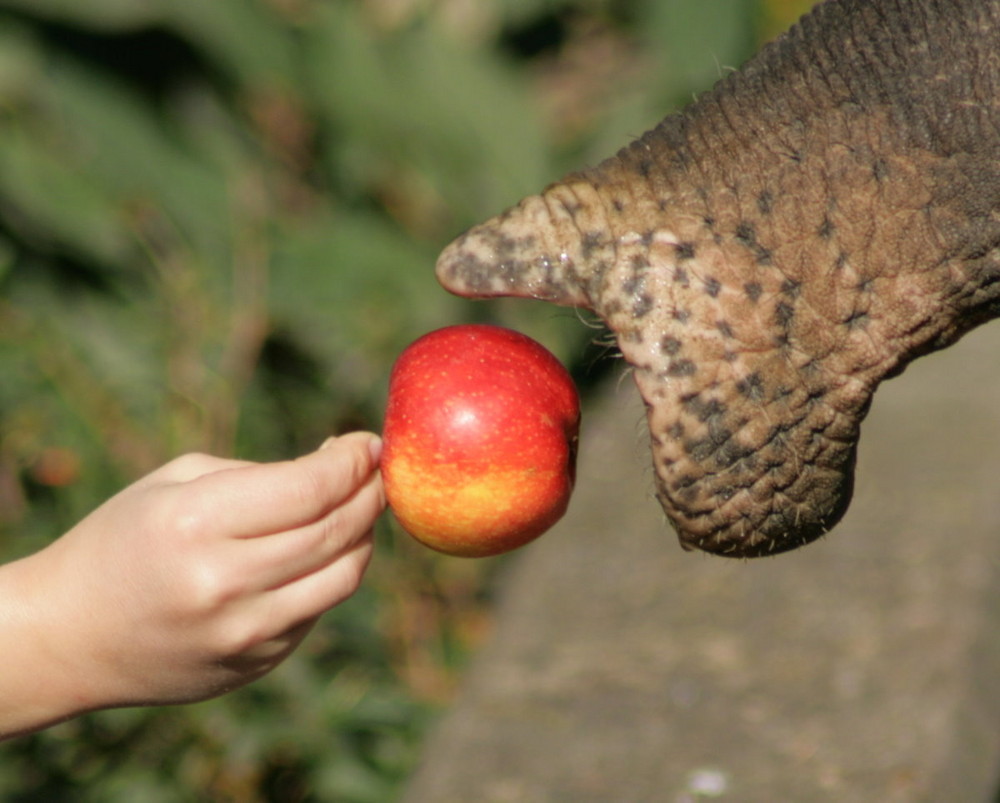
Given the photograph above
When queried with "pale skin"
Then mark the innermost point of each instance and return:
(193, 581)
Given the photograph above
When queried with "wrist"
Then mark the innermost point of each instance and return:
(42, 683)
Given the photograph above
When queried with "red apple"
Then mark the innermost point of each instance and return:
(480, 440)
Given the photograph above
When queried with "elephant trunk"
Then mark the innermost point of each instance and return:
(768, 256)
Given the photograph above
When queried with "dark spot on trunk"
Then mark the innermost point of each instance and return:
(732, 452)
(709, 412)
(613, 307)
(746, 234)
(700, 450)
(783, 314)
(685, 251)
(670, 345)
(681, 368)
(572, 207)
(761, 254)
(752, 387)
(642, 306)
(591, 241)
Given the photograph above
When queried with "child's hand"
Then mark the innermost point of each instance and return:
(193, 581)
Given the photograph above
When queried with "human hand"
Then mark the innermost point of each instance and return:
(196, 579)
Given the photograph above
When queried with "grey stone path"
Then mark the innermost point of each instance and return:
(865, 667)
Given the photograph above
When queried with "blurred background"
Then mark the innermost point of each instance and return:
(218, 225)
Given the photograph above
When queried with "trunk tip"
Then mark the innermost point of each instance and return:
(511, 255)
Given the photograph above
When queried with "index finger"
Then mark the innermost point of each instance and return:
(266, 498)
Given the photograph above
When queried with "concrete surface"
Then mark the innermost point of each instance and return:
(865, 667)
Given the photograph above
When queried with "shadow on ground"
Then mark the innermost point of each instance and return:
(865, 667)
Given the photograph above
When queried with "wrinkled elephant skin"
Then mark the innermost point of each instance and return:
(768, 256)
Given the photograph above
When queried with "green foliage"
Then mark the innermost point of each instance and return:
(218, 222)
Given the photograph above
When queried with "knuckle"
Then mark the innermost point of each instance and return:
(192, 464)
(185, 511)
(239, 636)
(328, 534)
(191, 518)
(311, 487)
(209, 588)
(353, 570)
(347, 470)
(358, 465)
(343, 526)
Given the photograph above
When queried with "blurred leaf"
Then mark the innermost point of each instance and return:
(351, 283)
(95, 13)
(700, 41)
(20, 62)
(417, 97)
(56, 203)
(7, 257)
(131, 152)
(244, 36)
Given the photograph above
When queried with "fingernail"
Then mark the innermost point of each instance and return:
(327, 444)
(375, 448)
